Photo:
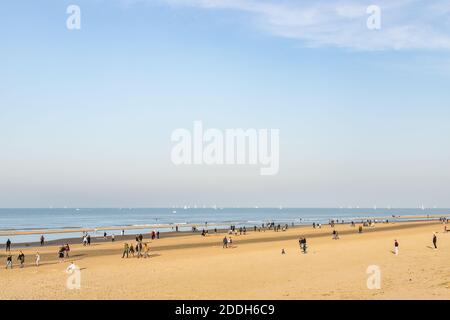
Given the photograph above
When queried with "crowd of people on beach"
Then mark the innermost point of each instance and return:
(20, 256)
(21, 259)
(275, 227)
(263, 227)
(366, 223)
(141, 249)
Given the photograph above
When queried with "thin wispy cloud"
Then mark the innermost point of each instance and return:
(405, 24)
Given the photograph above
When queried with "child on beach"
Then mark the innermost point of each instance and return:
(9, 262)
(396, 247)
(335, 236)
(131, 251)
(146, 251)
(37, 259)
(21, 258)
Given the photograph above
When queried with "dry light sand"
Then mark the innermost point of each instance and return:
(193, 267)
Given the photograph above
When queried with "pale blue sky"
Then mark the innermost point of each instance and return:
(86, 116)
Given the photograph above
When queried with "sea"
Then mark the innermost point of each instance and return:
(164, 219)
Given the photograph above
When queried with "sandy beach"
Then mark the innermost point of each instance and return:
(189, 266)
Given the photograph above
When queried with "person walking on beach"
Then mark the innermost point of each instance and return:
(335, 235)
(302, 243)
(21, 258)
(9, 262)
(37, 259)
(304, 246)
(146, 250)
(66, 250)
(88, 238)
(42, 240)
(225, 242)
(131, 250)
(126, 250)
(8, 245)
(396, 247)
(434, 241)
(61, 254)
(85, 241)
(113, 238)
(139, 249)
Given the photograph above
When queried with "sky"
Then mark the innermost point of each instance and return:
(86, 116)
